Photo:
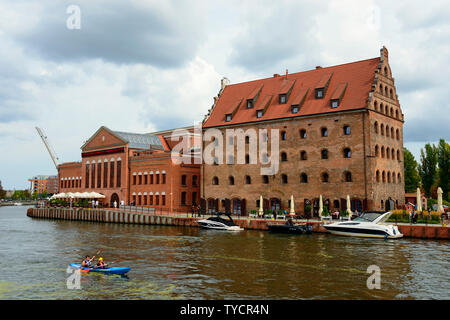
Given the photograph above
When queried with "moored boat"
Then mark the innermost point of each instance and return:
(290, 227)
(219, 223)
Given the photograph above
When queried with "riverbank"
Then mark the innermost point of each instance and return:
(23, 203)
(421, 231)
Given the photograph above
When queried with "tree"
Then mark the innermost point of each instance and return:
(443, 160)
(411, 175)
(427, 167)
(2, 192)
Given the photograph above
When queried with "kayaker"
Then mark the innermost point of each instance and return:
(87, 262)
(101, 263)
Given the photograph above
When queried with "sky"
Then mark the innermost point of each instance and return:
(143, 66)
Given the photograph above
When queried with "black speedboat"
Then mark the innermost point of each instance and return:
(290, 227)
(219, 223)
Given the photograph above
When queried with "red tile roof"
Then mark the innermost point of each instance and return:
(359, 77)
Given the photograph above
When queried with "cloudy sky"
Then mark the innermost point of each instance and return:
(142, 65)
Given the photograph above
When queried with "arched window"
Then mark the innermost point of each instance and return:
(324, 154)
(283, 135)
(375, 127)
(325, 177)
(398, 155)
(386, 91)
(231, 180)
(377, 175)
(377, 151)
(347, 176)
(303, 155)
(391, 94)
(386, 110)
(247, 159)
(392, 112)
(381, 88)
(383, 176)
(381, 108)
(284, 179)
(393, 177)
(283, 156)
(324, 132)
(389, 177)
(388, 153)
(392, 132)
(302, 134)
(347, 153)
(382, 152)
(399, 178)
(265, 179)
(396, 114)
(304, 178)
(385, 71)
(375, 105)
(248, 180)
(397, 134)
(392, 154)
(215, 181)
(346, 130)
(382, 129)
(387, 131)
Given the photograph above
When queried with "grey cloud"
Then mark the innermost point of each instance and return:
(118, 32)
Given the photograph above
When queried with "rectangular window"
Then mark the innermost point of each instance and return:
(183, 198)
(194, 198)
(335, 103)
(151, 199)
(145, 200)
(157, 199)
(228, 117)
(99, 175)
(163, 200)
(145, 179)
(140, 179)
(105, 175)
(319, 93)
(157, 178)
(282, 98)
(294, 109)
(259, 113)
(183, 180)
(163, 178)
(119, 174)
(151, 178)
(134, 179)
(93, 176)
(111, 175)
(249, 104)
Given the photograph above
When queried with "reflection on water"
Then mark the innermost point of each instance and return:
(191, 263)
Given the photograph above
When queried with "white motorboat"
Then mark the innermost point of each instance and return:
(18, 203)
(219, 223)
(368, 225)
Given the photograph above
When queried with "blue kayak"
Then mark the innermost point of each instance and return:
(107, 270)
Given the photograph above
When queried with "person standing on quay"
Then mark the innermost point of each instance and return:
(115, 204)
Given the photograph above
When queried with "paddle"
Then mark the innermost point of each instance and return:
(87, 270)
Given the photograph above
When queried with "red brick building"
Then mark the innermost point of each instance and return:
(135, 168)
(340, 133)
(41, 183)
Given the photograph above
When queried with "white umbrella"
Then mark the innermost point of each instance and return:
(320, 207)
(69, 195)
(419, 201)
(349, 208)
(77, 195)
(261, 211)
(440, 207)
(291, 211)
(54, 196)
(85, 195)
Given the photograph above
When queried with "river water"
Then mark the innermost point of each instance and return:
(191, 263)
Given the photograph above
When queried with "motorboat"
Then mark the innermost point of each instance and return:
(369, 225)
(219, 223)
(18, 203)
(290, 227)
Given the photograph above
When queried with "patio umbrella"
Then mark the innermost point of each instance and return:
(54, 196)
(440, 207)
(291, 211)
(77, 195)
(349, 208)
(261, 211)
(320, 207)
(419, 201)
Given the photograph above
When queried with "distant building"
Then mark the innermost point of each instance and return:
(42, 183)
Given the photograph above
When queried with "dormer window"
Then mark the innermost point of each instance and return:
(283, 98)
(249, 103)
(294, 109)
(334, 103)
(319, 93)
(259, 113)
(228, 117)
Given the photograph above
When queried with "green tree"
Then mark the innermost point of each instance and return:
(443, 160)
(44, 194)
(411, 175)
(2, 192)
(34, 195)
(427, 167)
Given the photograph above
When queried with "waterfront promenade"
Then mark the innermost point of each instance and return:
(106, 215)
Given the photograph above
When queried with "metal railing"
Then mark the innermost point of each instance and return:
(138, 209)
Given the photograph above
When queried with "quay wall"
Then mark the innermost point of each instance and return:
(116, 216)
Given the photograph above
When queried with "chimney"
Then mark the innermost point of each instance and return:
(318, 67)
(276, 75)
(286, 73)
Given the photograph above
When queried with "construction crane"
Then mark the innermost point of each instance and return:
(49, 148)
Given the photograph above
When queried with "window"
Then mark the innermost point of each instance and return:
(283, 156)
(111, 174)
(392, 132)
(392, 154)
(157, 178)
(325, 177)
(347, 176)
(151, 178)
(230, 159)
(303, 134)
(163, 176)
(93, 176)
(228, 117)
(140, 178)
(398, 155)
(385, 71)
(134, 179)
(387, 131)
(382, 152)
(259, 113)
(303, 155)
(324, 154)
(284, 179)
(150, 199)
(163, 199)
(145, 179)
(265, 179)
(391, 94)
(283, 135)
(248, 180)
(375, 106)
(377, 151)
(294, 109)
(319, 93)
(347, 130)
(383, 176)
(334, 103)
(283, 99)
(247, 139)
(231, 180)
(249, 104)
(183, 198)
(304, 178)
(183, 180)
(388, 153)
(265, 158)
(215, 181)
(375, 127)
(382, 129)
(194, 181)
(87, 176)
(324, 132)
(247, 159)
(347, 153)
(99, 175)
(399, 178)
(378, 175)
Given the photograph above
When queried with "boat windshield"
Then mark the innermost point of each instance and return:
(368, 216)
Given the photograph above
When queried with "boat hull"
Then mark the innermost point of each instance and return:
(364, 233)
(98, 270)
(208, 224)
(281, 228)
